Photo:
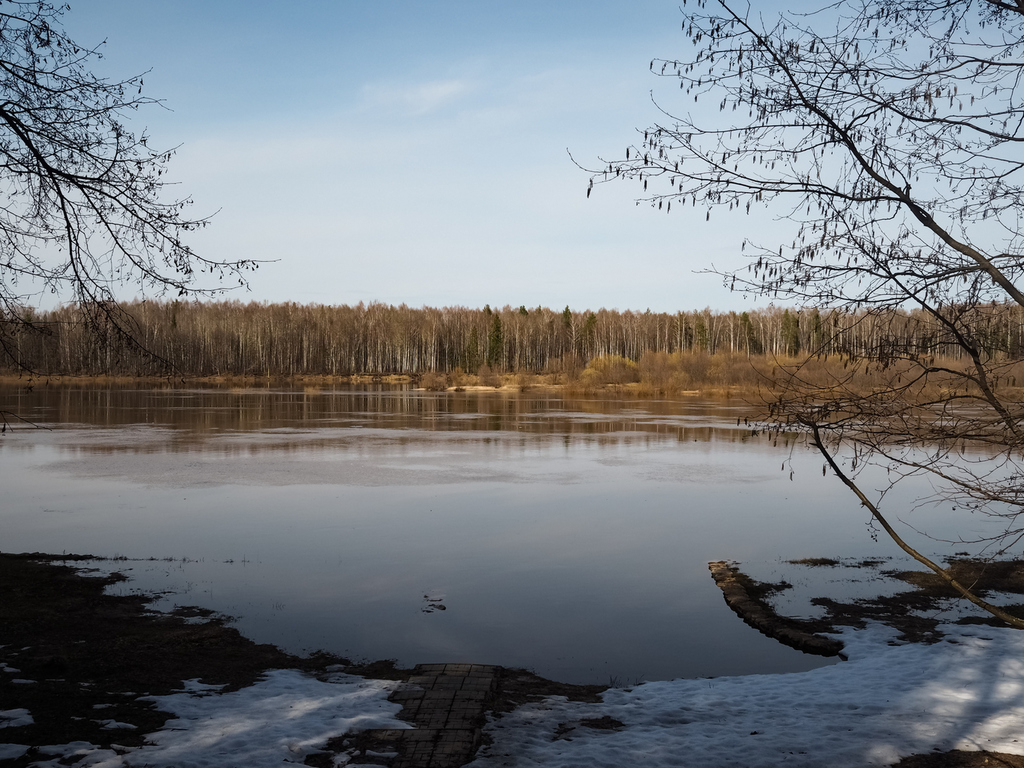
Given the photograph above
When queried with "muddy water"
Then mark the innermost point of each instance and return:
(569, 536)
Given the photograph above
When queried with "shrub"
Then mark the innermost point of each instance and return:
(611, 369)
(434, 382)
(488, 377)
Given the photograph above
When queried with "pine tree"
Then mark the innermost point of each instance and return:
(790, 333)
(495, 344)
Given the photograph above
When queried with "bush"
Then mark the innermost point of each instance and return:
(488, 377)
(610, 369)
(434, 382)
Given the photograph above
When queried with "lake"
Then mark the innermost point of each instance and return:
(568, 535)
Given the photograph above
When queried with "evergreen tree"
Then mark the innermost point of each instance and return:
(495, 344)
(472, 354)
(749, 336)
(816, 332)
(790, 333)
(700, 332)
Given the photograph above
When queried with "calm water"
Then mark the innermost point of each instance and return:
(569, 536)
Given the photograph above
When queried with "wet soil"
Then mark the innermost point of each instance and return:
(912, 612)
(749, 599)
(958, 759)
(91, 655)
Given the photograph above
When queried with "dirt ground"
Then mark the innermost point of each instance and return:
(85, 648)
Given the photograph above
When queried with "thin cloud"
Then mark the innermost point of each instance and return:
(416, 100)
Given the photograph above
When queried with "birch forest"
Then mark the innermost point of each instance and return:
(231, 338)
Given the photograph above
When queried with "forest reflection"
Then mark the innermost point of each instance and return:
(297, 420)
(570, 535)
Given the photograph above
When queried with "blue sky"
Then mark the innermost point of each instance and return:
(416, 152)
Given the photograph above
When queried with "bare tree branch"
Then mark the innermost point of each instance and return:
(891, 131)
(86, 210)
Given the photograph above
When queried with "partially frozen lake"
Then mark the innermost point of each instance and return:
(567, 535)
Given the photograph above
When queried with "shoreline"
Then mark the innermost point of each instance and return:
(84, 650)
(509, 384)
(68, 649)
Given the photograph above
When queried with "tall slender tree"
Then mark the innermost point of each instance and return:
(495, 343)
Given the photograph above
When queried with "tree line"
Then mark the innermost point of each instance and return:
(256, 339)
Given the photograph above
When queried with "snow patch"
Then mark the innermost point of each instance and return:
(114, 725)
(280, 719)
(12, 751)
(14, 718)
(883, 704)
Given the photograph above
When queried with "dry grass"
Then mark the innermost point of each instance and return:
(773, 377)
(434, 382)
(657, 374)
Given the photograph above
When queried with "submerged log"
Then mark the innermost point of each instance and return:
(737, 588)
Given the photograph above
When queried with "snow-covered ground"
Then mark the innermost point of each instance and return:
(886, 702)
(277, 721)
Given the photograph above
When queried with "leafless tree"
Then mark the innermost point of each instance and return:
(86, 210)
(889, 134)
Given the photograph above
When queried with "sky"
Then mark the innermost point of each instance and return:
(418, 151)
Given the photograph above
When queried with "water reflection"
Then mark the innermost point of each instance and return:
(569, 535)
(200, 411)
